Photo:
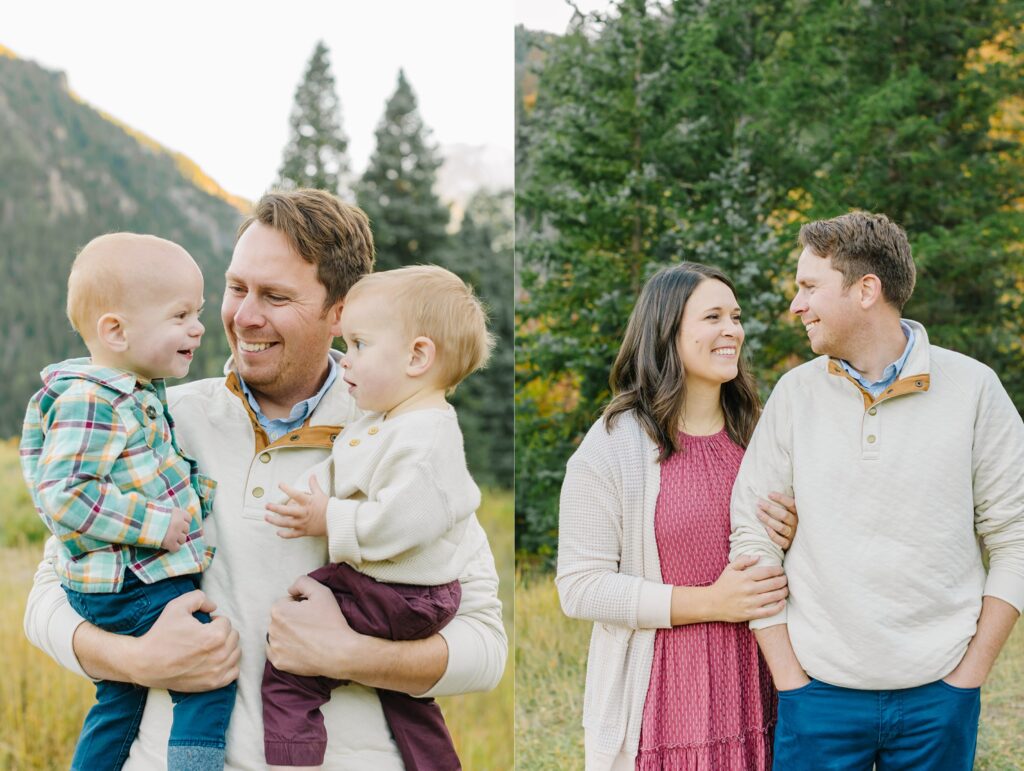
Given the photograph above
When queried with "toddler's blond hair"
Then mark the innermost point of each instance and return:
(113, 270)
(433, 302)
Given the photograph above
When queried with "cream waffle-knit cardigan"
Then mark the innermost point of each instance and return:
(609, 573)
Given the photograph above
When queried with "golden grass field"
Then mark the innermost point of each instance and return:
(551, 654)
(42, 705)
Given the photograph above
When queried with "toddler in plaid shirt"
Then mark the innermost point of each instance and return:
(107, 476)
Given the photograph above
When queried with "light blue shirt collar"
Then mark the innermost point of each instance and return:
(890, 373)
(278, 427)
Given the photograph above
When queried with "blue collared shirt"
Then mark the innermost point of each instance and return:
(890, 373)
(278, 427)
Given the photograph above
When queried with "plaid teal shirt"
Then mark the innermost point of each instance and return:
(104, 470)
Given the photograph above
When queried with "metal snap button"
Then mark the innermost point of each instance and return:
(873, 411)
(257, 492)
(293, 438)
(871, 439)
(151, 412)
(265, 457)
(353, 443)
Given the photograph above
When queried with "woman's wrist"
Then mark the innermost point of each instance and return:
(693, 605)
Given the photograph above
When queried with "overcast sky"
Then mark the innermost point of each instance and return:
(553, 15)
(215, 79)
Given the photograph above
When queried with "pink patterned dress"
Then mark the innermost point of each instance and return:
(711, 703)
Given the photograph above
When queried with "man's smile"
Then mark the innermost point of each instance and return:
(253, 347)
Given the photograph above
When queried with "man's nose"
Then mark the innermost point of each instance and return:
(798, 305)
(248, 313)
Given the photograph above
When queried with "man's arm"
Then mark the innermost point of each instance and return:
(767, 466)
(178, 653)
(998, 456)
(313, 638)
(994, 627)
(778, 653)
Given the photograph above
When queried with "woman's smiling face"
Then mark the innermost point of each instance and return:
(710, 336)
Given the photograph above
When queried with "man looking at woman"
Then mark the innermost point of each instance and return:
(902, 455)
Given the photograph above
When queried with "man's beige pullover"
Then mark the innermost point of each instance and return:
(254, 567)
(885, 573)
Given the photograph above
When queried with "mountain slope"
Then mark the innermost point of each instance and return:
(69, 173)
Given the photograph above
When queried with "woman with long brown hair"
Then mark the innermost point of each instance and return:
(674, 678)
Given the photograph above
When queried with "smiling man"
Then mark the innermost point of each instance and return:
(900, 454)
(274, 415)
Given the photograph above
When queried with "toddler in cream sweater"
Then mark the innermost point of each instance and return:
(401, 498)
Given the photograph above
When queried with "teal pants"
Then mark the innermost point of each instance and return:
(823, 727)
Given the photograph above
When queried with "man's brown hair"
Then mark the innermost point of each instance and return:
(324, 230)
(860, 243)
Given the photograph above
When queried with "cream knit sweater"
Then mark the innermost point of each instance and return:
(401, 497)
(885, 573)
(609, 573)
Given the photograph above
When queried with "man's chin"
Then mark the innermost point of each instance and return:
(254, 375)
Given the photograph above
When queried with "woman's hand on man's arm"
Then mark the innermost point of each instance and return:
(779, 516)
(742, 592)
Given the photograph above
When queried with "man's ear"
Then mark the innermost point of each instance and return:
(110, 331)
(334, 317)
(870, 288)
(421, 357)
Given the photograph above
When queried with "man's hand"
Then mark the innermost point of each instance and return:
(994, 627)
(309, 635)
(183, 654)
(177, 533)
(302, 514)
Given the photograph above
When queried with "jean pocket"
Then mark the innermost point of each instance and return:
(797, 691)
(958, 689)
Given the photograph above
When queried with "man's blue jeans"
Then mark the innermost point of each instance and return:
(823, 727)
(200, 719)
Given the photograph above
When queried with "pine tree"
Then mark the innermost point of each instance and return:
(396, 190)
(639, 157)
(481, 254)
(895, 108)
(316, 152)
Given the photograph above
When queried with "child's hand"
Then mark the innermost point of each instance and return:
(302, 514)
(177, 533)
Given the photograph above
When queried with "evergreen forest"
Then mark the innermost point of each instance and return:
(666, 131)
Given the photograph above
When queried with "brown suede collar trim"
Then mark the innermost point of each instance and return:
(908, 385)
(305, 436)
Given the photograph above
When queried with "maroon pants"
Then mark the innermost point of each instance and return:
(293, 726)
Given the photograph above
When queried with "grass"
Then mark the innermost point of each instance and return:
(481, 723)
(42, 705)
(551, 654)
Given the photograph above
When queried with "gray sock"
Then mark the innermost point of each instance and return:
(194, 758)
